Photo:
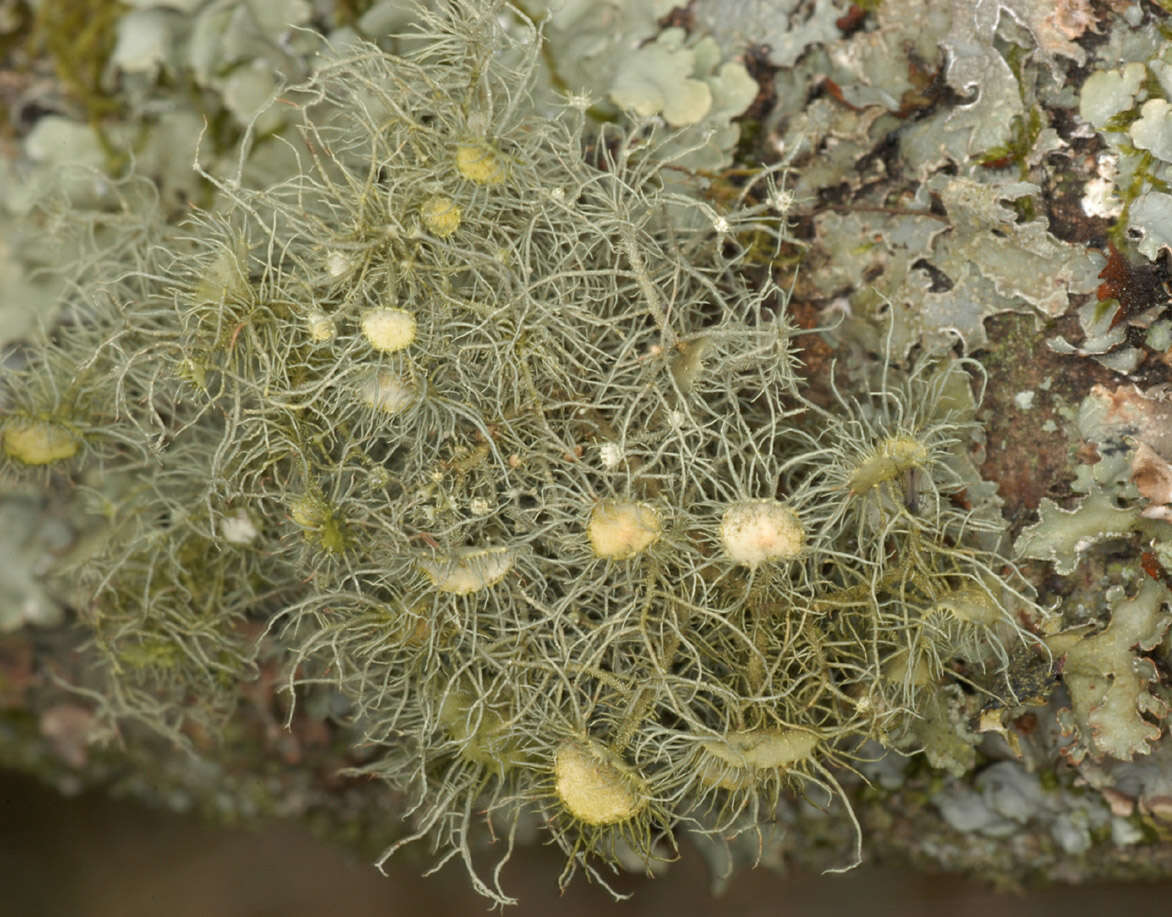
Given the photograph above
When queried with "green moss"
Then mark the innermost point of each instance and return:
(80, 37)
(1024, 133)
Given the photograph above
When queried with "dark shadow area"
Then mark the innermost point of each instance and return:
(95, 857)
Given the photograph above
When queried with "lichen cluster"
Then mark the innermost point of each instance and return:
(464, 423)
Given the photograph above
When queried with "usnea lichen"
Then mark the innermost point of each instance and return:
(528, 472)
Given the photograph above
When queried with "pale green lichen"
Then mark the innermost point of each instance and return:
(1062, 536)
(1113, 708)
(991, 262)
(1129, 107)
(689, 85)
(1107, 93)
(657, 79)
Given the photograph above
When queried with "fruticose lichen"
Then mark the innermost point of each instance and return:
(488, 444)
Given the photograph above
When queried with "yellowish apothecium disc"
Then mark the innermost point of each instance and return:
(39, 442)
(893, 457)
(468, 570)
(764, 749)
(389, 330)
(901, 667)
(594, 785)
(481, 163)
(308, 511)
(619, 529)
(440, 215)
(738, 760)
(321, 326)
(757, 531)
(386, 392)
